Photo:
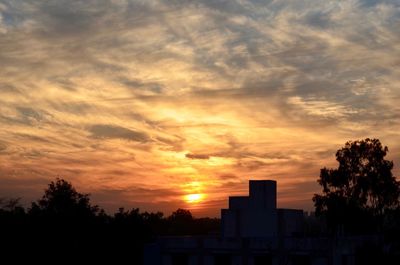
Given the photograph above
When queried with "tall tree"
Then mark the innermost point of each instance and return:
(61, 199)
(362, 185)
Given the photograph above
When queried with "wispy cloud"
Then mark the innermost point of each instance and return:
(117, 132)
(122, 94)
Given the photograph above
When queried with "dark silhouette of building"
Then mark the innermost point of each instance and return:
(256, 215)
(256, 232)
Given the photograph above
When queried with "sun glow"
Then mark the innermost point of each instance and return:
(194, 198)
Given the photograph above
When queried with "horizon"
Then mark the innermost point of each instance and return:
(160, 105)
(27, 204)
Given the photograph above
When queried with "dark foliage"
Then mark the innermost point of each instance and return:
(357, 195)
(61, 200)
(63, 227)
(360, 197)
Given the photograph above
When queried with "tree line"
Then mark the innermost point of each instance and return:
(63, 226)
(359, 197)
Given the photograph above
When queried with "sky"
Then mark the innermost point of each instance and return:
(177, 104)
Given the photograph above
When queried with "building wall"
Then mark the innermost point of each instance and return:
(253, 232)
(229, 223)
(253, 259)
(210, 250)
(238, 202)
(290, 222)
(258, 223)
(256, 215)
(262, 194)
(249, 223)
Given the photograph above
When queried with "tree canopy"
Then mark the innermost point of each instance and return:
(63, 226)
(60, 198)
(363, 184)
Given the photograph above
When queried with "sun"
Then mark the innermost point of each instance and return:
(194, 198)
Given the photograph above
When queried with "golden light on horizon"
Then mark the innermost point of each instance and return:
(193, 192)
(194, 198)
(180, 111)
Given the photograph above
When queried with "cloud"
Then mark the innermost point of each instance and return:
(256, 89)
(3, 147)
(30, 116)
(251, 165)
(137, 84)
(141, 193)
(32, 138)
(321, 108)
(228, 177)
(117, 132)
(197, 156)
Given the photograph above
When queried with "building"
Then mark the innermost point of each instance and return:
(255, 232)
(256, 215)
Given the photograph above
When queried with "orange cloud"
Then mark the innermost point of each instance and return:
(136, 102)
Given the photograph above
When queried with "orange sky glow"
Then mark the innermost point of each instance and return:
(177, 104)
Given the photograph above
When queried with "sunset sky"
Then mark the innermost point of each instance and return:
(177, 104)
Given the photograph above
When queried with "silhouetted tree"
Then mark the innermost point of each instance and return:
(13, 220)
(361, 189)
(181, 215)
(11, 204)
(62, 221)
(180, 222)
(61, 199)
(204, 226)
(155, 222)
(63, 227)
